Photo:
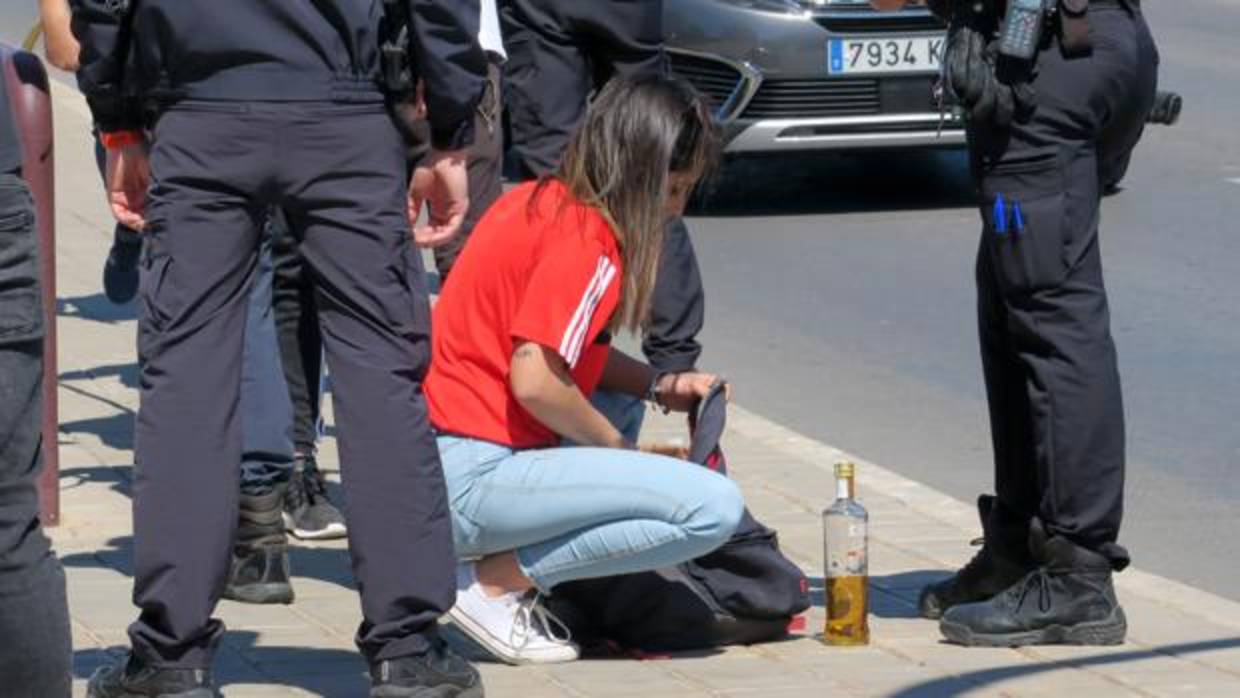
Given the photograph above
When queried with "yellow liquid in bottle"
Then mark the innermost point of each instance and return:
(847, 623)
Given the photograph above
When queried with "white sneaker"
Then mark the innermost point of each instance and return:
(516, 628)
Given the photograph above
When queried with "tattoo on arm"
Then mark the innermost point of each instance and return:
(525, 352)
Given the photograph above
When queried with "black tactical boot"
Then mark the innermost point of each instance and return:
(260, 570)
(130, 677)
(440, 673)
(1002, 561)
(1067, 600)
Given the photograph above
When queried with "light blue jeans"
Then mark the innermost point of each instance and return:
(577, 513)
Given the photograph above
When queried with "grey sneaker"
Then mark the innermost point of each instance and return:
(308, 513)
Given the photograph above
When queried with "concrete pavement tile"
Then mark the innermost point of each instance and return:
(1194, 689)
(821, 687)
(952, 659)
(901, 680)
(617, 677)
(239, 616)
(750, 674)
(896, 630)
(341, 612)
(310, 590)
(272, 642)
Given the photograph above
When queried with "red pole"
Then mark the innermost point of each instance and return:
(26, 81)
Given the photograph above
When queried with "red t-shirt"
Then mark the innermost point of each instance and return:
(547, 273)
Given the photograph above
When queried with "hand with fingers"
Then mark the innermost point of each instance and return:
(441, 183)
(127, 176)
(680, 392)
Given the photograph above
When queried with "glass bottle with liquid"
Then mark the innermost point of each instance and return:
(846, 542)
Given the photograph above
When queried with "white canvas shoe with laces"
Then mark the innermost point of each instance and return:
(515, 627)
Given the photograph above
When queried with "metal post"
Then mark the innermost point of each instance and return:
(25, 78)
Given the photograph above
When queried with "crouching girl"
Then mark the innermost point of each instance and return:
(521, 338)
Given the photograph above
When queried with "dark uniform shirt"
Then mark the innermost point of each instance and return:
(10, 147)
(241, 50)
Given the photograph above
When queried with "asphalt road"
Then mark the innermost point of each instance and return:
(841, 304)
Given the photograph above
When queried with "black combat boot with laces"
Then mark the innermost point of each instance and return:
(1068, 600)
(1003, 560)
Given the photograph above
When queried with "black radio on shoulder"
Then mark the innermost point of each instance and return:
(1021, 34)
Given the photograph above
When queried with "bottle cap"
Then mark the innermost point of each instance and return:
(845, 468)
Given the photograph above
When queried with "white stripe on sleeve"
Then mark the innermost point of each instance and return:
(578, 342)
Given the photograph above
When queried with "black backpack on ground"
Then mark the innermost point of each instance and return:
(744, 592)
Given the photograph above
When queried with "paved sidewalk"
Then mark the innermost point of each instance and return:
(1182, 642)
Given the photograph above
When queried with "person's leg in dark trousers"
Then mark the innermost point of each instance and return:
(308, 511)
(260, 565)
(201, 243)
(34, 616)
(1050, 363)
(120, 269)
(348, 199)
(300, 338)
(267, 411)
(486, 164)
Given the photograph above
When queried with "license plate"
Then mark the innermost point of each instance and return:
(884, 55)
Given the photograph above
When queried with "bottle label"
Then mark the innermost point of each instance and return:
(849, 560)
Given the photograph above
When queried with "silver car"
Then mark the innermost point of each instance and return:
(796, 75)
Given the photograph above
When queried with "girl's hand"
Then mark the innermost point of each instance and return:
(681, 391)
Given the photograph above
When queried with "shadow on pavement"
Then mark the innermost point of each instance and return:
(891, 596)
(116, 431)
(127, 373)
(240, 659)
(949, 685)
(837, 183)
(331, 565)
(96, 307)
(117, 556)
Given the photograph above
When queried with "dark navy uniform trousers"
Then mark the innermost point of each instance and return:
(338, 171)
(1056, 412)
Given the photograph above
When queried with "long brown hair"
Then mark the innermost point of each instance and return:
(635, 132)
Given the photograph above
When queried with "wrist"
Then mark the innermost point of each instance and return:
(656, 392)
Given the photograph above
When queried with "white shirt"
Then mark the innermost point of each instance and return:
(489, 36)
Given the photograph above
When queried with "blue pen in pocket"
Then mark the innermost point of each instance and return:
(1018, 219)
(1000, 215)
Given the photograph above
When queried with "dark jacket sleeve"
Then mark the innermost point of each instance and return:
(105, 34)
(451, 65)
(679, 305)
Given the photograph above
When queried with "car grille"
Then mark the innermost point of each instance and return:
(866, 22)
(714, 79)
(793, 99)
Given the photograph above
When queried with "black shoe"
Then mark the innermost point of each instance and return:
(130, 677)
(1068, 600)
(308, 513)
(260, 569)
(440, 673)
(120, 270)
(1003, 560)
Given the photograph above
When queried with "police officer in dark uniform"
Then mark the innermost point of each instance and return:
(1046, 134)
(275, 103)
(35, 655)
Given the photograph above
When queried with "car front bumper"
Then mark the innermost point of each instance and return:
(766, 74)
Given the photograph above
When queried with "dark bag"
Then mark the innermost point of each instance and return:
(742, 593)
